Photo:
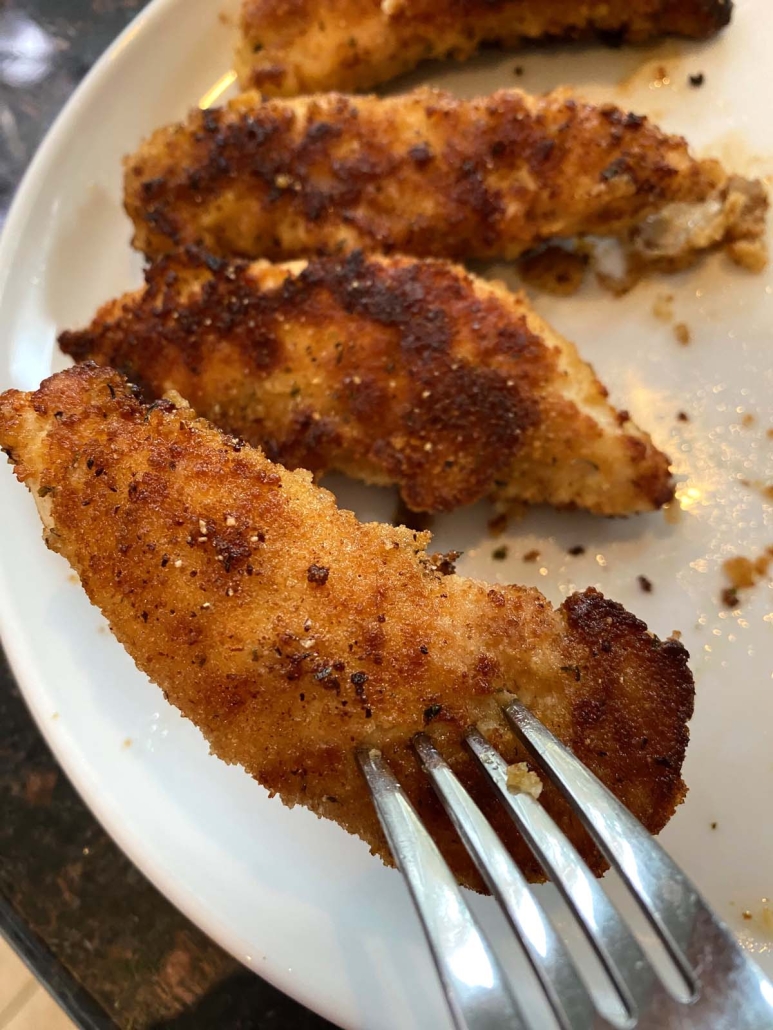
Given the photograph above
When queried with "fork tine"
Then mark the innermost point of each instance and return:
(475, 986)
(549, 957)
(604, 927)
(730, 991)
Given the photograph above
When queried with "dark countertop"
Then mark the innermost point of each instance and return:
(113, 951)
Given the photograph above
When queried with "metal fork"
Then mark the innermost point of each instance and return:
(724, 989)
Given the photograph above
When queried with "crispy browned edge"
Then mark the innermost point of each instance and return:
(120, 483)
(279, 39)
(463, 382)
(248, 180)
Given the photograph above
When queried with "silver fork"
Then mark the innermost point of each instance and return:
(724, 990)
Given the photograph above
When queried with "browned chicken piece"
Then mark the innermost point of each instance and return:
(428, 175)
(392, 370)
(288, 47)
(292, 634)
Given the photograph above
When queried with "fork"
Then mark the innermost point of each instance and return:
(723, 988)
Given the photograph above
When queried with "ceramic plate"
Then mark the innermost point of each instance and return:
(296, 899)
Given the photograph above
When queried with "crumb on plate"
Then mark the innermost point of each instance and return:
(663, 308)
(498, 524)
(555, 270)
(744, 573)
(682, 333)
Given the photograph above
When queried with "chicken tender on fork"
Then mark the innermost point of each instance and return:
(292, 634)
(390, 369)
(288, 47)
(431, 176)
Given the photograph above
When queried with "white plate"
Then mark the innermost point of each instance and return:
(297, 899)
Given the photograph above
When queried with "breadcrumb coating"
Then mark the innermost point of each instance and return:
(429, 175)
(392, 370)
(288, 47)
(292, 634)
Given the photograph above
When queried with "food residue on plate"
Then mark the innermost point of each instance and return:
(662, 78)
(663, 307)
(500, 553)
(672, 513)
(531, 556)
(744, 573)
(644, 584)
(682, 333)
(521, 780)
(663, 310)
(498, 524)
(763, 918)
(555, 270)
(653, 72)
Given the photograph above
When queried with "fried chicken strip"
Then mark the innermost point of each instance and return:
(428, 175)
(292, 634)
(305, 46)
(390, 369)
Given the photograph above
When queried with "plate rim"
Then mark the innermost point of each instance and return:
(19, 641)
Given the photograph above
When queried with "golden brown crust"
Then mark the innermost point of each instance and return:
(289, 47)
(290, 633)
(422, 174)
(391, 369)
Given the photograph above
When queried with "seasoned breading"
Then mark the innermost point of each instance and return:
(428, 175)
(390, 369)
(288, 47)
(291, 634)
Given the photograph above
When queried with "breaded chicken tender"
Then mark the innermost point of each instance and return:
(288, 47)
(428, 175)
(390, 369)
(291, 634)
